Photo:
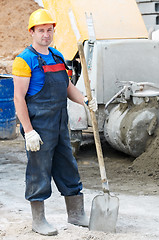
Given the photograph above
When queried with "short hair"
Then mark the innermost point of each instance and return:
(32, 28)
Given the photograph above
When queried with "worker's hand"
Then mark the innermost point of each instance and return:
(91, 104)
(33, 141)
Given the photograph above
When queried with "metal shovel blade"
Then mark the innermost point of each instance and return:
(104, 213)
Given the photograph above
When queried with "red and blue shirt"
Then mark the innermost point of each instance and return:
(26, 65)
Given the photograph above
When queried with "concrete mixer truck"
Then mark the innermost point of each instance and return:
(123, 67)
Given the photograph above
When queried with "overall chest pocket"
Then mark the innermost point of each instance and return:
(57, 85)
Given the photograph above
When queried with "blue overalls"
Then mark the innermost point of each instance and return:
(48, 115)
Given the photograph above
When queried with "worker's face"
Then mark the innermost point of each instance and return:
(43, 34)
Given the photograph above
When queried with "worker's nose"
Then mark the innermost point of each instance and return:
(46, 34)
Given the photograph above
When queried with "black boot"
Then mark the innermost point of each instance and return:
(75, 210)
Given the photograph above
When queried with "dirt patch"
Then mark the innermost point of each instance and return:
(13, 29)
(125, 173)
(148, 162)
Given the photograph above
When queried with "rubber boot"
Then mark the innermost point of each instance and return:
(75, 210)
(39, 224)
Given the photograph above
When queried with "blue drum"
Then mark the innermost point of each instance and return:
(7, 109)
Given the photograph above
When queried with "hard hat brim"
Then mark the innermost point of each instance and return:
(53, 23)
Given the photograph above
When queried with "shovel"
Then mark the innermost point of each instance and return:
(104, 211)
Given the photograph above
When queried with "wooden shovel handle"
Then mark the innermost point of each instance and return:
(93, 116)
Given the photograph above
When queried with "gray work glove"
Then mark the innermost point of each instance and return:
(90, 105)
(33, 141)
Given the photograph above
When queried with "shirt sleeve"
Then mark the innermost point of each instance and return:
(21, 68)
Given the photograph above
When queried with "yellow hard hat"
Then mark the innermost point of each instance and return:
(40, 16)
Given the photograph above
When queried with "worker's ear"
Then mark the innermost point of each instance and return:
(31, 32)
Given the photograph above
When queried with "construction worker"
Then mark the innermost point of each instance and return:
(41, 88)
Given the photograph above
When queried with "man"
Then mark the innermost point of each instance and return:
(41, 88)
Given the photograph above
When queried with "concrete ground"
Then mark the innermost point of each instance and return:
(138, 194)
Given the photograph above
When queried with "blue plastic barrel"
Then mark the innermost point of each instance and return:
(7, 109)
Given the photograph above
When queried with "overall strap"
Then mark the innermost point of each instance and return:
(42, 62)
(40, 59)
(57, 57)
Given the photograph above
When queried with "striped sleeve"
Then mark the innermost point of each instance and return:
(21, 68)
